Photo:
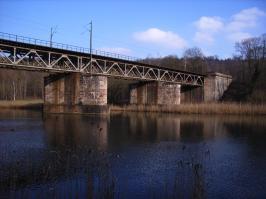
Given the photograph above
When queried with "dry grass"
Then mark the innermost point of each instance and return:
(20, 104)
(204, 108)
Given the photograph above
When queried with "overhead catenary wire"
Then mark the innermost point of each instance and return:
(115, 44)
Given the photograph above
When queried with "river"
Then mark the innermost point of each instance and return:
(131, 155)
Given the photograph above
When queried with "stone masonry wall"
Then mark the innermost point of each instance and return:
(191, 94)
(215, 84)
(168, 94)
(93, 90)
(133, 95)
(54, 90)
(72, 89)
(155, 93)
(75, 89)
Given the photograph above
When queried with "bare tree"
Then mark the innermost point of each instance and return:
(195, 60)
(252, 50)
(20, 84)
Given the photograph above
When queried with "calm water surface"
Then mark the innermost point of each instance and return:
(131, 156)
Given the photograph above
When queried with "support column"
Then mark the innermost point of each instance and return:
(93, 90)
(133, 94)
(168, 94)
(75, 93)
(191, 94)
(54, 90)
(215, 84)
(160, 93)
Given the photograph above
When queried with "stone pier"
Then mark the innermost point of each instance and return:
(191, 94)
(155, 93)
(215, 84)
(161, 93)
(78, 93)
(75, 93)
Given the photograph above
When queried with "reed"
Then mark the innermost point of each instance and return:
(202, 108)
(21, 104)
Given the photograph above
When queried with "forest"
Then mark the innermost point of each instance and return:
(247, 66)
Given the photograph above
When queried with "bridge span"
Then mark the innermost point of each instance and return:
(33, 54)
(78, 78)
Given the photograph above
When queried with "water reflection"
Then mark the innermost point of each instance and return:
(76, 131)
(101, 132)
(131, 155)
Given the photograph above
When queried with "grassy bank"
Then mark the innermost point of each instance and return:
(22, 104)
(213, 108)
(203, 108)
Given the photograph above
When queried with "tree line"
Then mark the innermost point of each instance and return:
(16, 84)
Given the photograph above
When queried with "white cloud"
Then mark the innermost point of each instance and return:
(236, 29)
(117, 50)
(212, 24)
(207, 27)
(159, 37)
(243, 21)
(247, 18)
(238, 36)
(203, 37)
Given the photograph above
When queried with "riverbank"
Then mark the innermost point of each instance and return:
(204, 108)
(22, 104)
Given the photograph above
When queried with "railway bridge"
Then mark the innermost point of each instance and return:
(77, 80)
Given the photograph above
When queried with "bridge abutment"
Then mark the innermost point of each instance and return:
(215, 84)
(155, 93)
(75, 93)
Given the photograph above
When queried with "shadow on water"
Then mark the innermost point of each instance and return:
(131, 156)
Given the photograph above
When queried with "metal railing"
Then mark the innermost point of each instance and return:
(40, 42)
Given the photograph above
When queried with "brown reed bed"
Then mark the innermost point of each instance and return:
(21, 104)
(202, 108)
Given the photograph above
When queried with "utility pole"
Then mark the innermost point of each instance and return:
(263, 51)
(185, 63)
(52, 32)
(91, 45)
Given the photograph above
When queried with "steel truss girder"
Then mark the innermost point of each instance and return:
(35, 59)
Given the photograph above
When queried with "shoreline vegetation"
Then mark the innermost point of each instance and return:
(21, 104)
(232, 108)
(201, 108)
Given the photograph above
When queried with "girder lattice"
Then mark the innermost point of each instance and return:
(34, 57)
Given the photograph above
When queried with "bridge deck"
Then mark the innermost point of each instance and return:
(67, 58)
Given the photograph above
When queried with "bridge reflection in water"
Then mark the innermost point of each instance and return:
(103, 131)
(130, 155)
(77, 131)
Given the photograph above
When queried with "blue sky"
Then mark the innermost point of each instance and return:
(137, 27)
